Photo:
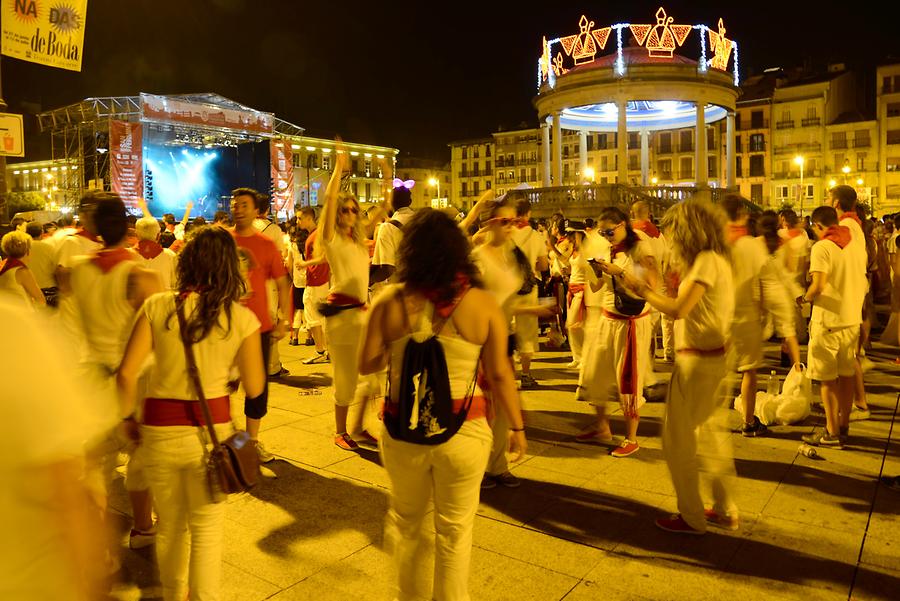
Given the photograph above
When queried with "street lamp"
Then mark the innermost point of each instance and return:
(846, 169)
(589, 174)
(435, 183)
(799, 161)
(832, 183)
(654, 180)
(860, 181)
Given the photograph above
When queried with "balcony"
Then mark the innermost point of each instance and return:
(764, 124)
(862, 143)
(664, 150)
(811, 122)
(784, 125)
(686, 148)
(500, 163)
(757, 173)
(798, 148)
(758, 147)
(836, 144)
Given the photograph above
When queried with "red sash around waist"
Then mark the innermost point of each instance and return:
(628, 386)
(177, 412)
(343, 300)
(570, 296)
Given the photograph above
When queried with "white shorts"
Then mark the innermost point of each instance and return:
(746, 351)
(831, 352)
(527, 326)
(312, 296)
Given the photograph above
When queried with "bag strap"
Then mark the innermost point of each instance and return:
(193, 372)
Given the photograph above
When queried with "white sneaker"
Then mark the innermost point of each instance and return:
(574, 365)
(858, 415)
(865, 364)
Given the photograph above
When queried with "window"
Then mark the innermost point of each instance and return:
(684, 141)
(786, 120)
(758, 143)
(368, 169)
(634, 162)
(465, 154)
(500, 177)
(839, 161)
(534, 174)
(737, 144)
(665, 142)
(781, 192)
(590, 142)
(533, 156)
(464, 171)
(756, 120)
(893, 164)
(893, 136)
(487, 167)
(710, 138)
(604, 163)
(487, 151)
(354, 167)
(738, 171)
(601, 141)
(511, 175)
(510, 160)
(565, 151)
(354, 187)
(522, 175)
(685, 168)
(756, 192)
(326, 162)
(839, 139)
(565, 171)
(860, 161)
(368, 191)
(475, 171)
(893, 109)
(737, 121)
(487, 185)
(475, 189)
(296, 160)
(665, 168)
(711, 165)
(757, 166)
(475, 155)
(465, 191)
(861, 139)
(633, 141)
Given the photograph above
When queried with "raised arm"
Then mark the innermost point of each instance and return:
(329, 214)
(472, 217)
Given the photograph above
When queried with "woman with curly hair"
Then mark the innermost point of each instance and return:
(695, 429)
(173, 436)
(439, 292)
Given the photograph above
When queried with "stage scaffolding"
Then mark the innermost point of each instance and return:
(79, 134)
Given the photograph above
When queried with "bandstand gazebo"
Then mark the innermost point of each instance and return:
(647, 78)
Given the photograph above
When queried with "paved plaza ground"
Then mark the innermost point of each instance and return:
(581, 525)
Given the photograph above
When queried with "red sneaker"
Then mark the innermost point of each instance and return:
(366, 440)
(628, 447)
(676, 524)
(345, 442)
(725, 521)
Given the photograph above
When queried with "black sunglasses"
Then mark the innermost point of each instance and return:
(347, 210)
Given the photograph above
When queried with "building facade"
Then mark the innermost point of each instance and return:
(471, 170)
(433, 183)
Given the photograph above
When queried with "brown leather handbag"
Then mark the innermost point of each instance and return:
(233, 465)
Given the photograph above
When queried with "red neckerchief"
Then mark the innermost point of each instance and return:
(850, 215)
(560, 239)
(12, 264)
(108, 258)
(149, 249)
(442, 307)
(839, 234)
(522, 224)
(618, 248)
(645, 226)
(735, 232)
(92, 237)
(794, 233)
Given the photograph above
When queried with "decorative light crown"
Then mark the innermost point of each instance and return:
(660, 40)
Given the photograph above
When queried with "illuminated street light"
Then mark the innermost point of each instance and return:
(654, 180)
(435, 183)
(832, 183)
(799, 161)
(859, 182)
(589, 174)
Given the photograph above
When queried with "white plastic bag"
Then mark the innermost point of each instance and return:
(766, 406)
(795, 399)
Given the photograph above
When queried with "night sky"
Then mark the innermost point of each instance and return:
(409, 75)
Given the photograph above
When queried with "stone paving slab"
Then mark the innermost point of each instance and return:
(580, 526)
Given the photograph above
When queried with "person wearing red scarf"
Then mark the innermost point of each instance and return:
(834, 325)
(153, 255)
(615, 356)
(107, 289)
(749, 256)
(15, 276)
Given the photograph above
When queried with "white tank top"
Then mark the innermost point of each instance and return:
(106, 315)
(10, 286)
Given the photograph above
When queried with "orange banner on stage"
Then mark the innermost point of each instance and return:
(126, 161)
(47, 32)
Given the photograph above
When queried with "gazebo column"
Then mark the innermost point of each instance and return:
(622, 142)
(582, 153)
(557, 150)
(545, 153)
(645, 157)
(729, 150)
(701, 167)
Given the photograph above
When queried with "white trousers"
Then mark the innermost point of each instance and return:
(695, 411)
(190, 528)
(344, 333)
(451, 472)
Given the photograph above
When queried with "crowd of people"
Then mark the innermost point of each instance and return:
(702, 287)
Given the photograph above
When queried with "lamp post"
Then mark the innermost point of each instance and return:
(799, 161)
(434, 182)
(846, 169)
(589, 174)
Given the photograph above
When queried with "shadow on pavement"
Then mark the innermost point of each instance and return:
(623, 525)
